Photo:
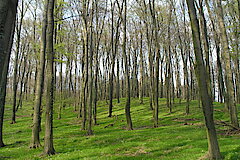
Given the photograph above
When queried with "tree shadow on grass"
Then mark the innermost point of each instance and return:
(177, 147)
(15, 144)
(233, 154)
(4, 157)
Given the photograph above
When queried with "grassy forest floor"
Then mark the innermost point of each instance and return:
(179, 136)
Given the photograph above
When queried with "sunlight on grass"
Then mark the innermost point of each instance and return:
(178, 137)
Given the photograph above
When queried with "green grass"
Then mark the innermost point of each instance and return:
(179, 137)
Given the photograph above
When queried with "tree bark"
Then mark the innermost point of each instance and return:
(8, 9)
(39, 84)
(90, 85)
(141, 87)
(48, 139)
(156, 74)
(227, 61)
(111, 73)
(15, 73)
(114, 47)
(205, 41)
(221, 89)
(200, 69)
(128, 94)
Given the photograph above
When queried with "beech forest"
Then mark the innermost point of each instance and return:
(119, 79)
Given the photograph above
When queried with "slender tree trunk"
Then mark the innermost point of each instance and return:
(128, 94)
(227, 60)
(111, 73)
(114, 46)
(200, 69)
(75, 84)
(238, 55)
(118, 82)
(22, 82)
(205, 41)
(185, 58)
(90, 85)
(168, 62)
(156, 75)
(83, 110)
(48, 139)
(86, 65)
(61, 88)
(35, 50)
(161, 78)
(15, 79)
(141, 87)
(98, 39)
(221, 90)
(150, 57)
(96, 88)
(39, 85)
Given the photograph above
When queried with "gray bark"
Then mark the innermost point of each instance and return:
(8, 10)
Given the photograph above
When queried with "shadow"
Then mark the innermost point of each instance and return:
(5, 157)
(16, 144)
(169, 149)
(233, 154)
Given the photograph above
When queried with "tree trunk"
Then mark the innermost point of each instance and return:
(156, 74)
(39, 85)
(141, 87)
(111, 73)
(8, 11)
(118, 82)
(48, 139)
(200, 69)
(22, 82)
(221, 89)
(128, 94)
(90, 85)
(15, 79)
(86, 65)
(204, 36)
(96, 88)
(227, 60)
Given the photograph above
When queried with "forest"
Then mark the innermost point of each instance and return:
(120, 79)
